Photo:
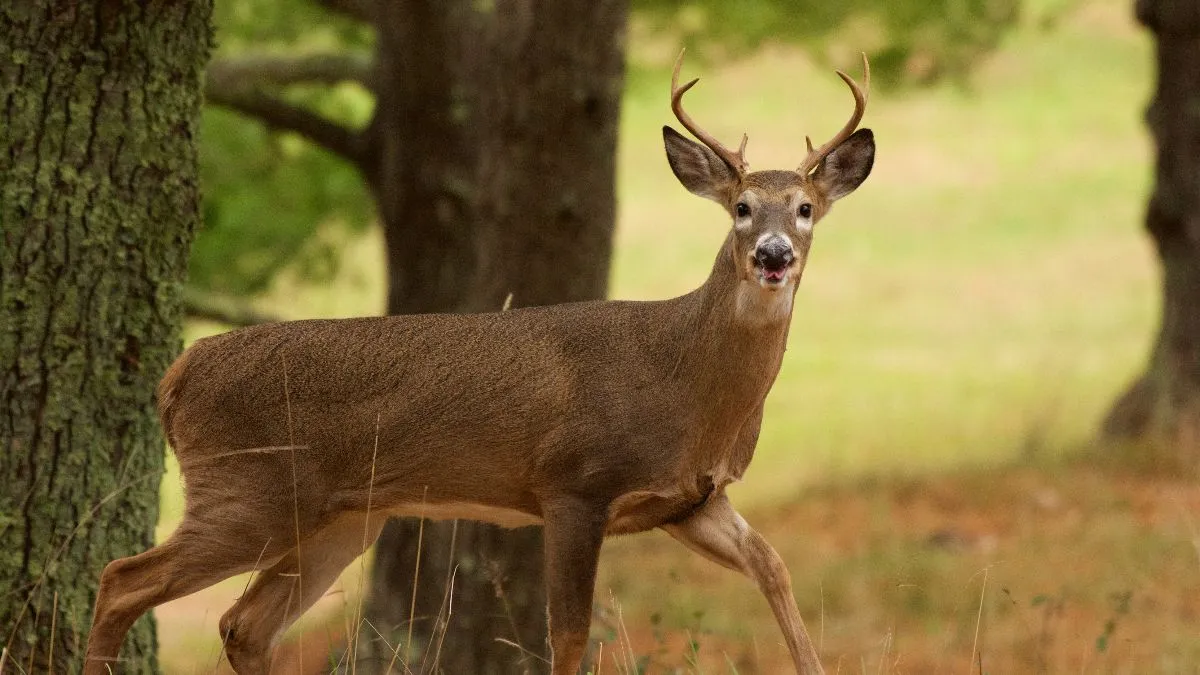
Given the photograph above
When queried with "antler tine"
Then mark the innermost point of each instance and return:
(860, 106)
(736, 160)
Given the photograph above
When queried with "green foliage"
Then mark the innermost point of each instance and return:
(907, 40)
(274, 200)
(268, 200)
(285, 25)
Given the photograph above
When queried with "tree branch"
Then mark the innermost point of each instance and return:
(279, 114)
(363, 10)
(249, 72)
(198, 305)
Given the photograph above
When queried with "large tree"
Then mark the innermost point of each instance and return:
(1163, 404)
(491, 159)
(99, 106)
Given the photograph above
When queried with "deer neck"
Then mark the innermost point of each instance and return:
(737, 335)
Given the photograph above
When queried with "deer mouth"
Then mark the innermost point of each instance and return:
(773, 275)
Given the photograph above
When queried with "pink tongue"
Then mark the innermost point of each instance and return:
(772, 274)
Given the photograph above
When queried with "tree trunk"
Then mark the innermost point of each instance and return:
(496, 125)
(99, 104)
(1163, 405)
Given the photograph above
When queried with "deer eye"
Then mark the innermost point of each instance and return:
(805, 210)
(742, 209)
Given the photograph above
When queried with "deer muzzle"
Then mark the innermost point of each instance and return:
(773, 256)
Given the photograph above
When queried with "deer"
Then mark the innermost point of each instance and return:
(298, 440)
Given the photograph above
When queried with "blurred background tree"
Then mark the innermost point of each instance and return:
(1162, 406)
(485, 132)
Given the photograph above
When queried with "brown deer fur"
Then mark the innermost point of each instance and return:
(297, 440)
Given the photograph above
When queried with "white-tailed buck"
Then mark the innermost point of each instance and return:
(298, 440)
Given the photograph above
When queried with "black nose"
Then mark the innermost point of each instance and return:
(774, 254)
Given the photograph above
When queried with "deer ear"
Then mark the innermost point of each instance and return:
(847, 166)
(700, 170)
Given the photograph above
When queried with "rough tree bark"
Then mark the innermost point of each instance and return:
(491, 157)
(99, 104)
(1163, 405)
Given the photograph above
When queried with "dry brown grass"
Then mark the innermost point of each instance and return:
(1087, 571)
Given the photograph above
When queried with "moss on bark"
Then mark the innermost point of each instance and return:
(99, 105)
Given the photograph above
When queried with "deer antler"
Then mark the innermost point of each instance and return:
(735, 160)
(860, 106)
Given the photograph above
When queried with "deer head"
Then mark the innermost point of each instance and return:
(773, 212)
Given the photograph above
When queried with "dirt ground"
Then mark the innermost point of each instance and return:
(1067, 569)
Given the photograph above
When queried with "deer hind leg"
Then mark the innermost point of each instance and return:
(288, 588)
(719, 533)
(574, 531)
(129, 587)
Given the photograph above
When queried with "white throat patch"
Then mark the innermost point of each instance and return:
(758, 306)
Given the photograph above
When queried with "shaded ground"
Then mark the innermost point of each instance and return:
(1062, 570)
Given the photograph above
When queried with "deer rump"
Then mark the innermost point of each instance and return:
(479, 417)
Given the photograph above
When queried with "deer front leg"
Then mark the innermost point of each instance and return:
(719, 533)
(574, 530)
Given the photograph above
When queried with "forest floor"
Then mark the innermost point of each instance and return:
(1061, 569)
